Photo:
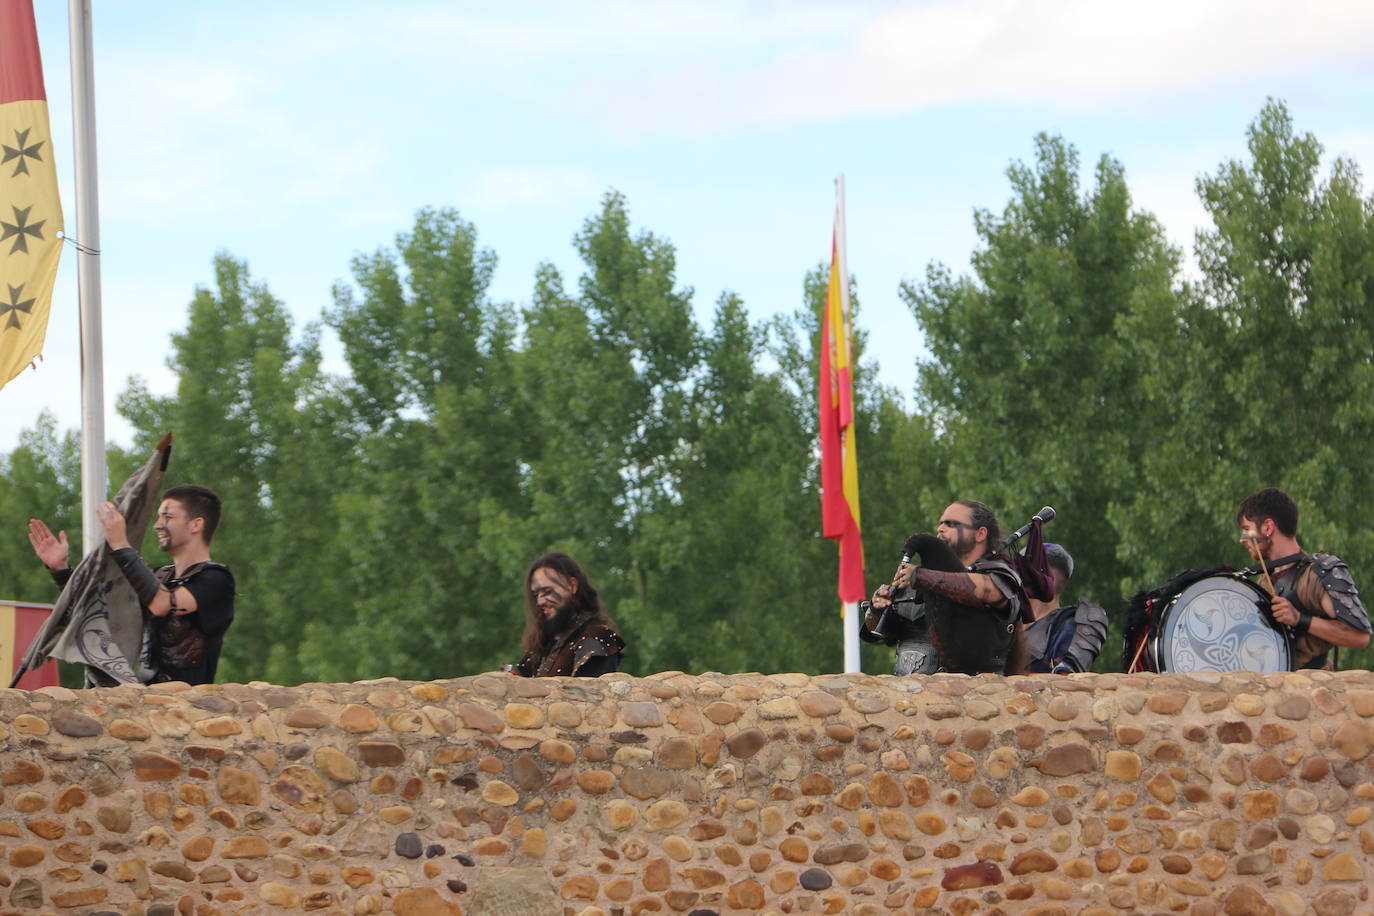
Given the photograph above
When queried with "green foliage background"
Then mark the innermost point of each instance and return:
(380, 523)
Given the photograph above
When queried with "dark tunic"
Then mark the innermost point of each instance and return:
(976, 639)
(186, 647)
(588, 648)
(1068, 637)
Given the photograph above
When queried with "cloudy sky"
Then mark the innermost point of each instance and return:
(297, 134)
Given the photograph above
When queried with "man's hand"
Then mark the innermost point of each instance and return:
(51, 550)
(1283, 610)
(871, 618)
(882, 598)
(113, 522)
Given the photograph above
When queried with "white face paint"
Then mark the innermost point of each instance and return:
(1253, 537)
(551, 591)
(956, 529)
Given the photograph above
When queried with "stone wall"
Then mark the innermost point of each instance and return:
(1236, 794)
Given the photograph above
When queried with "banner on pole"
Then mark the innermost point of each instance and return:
(839, 462)
(30, 212)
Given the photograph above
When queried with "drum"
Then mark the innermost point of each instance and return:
(1219, 623)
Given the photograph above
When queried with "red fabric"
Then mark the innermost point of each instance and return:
(836, 404)
(834, 509)
(1033, 566)
(28, 620)
(21, 67)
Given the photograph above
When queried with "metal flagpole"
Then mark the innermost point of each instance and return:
(851, 608)
(93, 474)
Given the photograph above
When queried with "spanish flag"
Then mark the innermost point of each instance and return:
(30, 212)
(839, 463)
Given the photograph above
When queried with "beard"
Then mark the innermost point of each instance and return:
(964, 541)
(560, 620)
(1260, 547)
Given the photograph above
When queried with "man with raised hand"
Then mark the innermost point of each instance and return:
(190, 603)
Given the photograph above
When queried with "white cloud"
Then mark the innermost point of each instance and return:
(1073, 52)
(507, 187)
(649, 29)
(181, 134)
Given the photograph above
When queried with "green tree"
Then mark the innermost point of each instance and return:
(607, 376)
(243, 425)
(436, 422)
(1273, 382)
(40, 478)
(1033, 378)
(738, 548)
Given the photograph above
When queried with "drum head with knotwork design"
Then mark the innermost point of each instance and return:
(1217, 624)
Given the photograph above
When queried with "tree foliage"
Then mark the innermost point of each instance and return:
(379, 522)
(1033, 375)
(1271, 379)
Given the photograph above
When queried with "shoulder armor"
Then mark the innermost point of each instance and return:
(1087, 609)
(995, 564)
(597, 640)
(169, 577)
(1335, 577)
(1333, 572)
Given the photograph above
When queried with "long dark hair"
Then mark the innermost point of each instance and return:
(585, 601)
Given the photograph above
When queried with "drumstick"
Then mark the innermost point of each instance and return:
(1138, 651)
(1268, 582)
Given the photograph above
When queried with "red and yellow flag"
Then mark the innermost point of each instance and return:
(839, 463)
(19, 623)
(30, 212)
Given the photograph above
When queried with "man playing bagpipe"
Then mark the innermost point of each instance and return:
(1313, 593)
(957, 610)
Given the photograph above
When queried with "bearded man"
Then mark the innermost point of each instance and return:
(567, 632)
(963, 600)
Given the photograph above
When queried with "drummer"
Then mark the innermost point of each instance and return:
(1315, 597)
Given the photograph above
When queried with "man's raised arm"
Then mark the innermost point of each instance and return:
(971, 589)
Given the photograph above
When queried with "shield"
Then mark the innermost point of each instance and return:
(98, 620)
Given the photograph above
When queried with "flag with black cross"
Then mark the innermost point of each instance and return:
(30, 211)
